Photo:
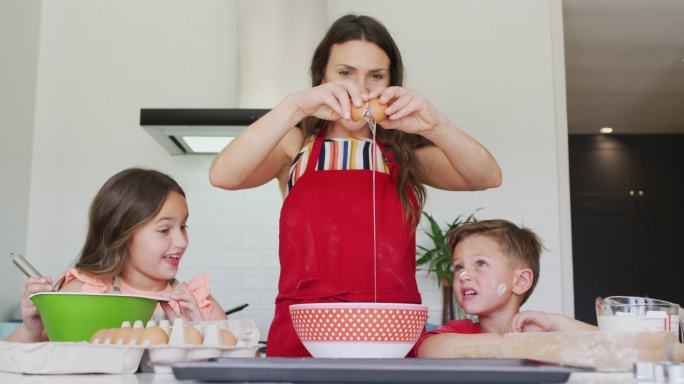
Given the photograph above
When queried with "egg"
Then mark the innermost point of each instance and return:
(97, 336)
(107, 335)
(377, 109)
(154, 336)
(135, 333)
(194, 336)
(227, 338)
(134, 336)
(121, 335)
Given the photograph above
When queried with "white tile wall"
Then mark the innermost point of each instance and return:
(487, 65)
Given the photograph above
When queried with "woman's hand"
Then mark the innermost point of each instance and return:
(531, 321)
(409, 111)
(29, 312)
(329, 101)
(189, 309)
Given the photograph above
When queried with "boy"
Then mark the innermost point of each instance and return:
(496, 267)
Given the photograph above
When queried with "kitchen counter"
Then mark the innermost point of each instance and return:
(158, 378)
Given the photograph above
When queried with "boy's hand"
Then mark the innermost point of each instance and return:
(29, 311)
(189, 309)
(531, 321)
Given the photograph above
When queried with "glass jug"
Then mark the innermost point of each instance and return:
(631, 313)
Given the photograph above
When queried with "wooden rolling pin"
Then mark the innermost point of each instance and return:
(606, 351)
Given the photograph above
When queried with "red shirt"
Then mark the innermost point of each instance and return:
(456, 326)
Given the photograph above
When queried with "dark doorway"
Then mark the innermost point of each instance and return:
(627, 203)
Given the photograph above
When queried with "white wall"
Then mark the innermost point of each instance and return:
(266, 31)
(19, 32)
(487, 65)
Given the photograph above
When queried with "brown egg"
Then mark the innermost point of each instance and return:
(121, 335)
(153, 335)
(136, 332)
(134, 336)
(377, 109)
(97, 336)
(226, 337)
(194, 336)
(107, 335)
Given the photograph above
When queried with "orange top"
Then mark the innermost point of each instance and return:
(198, 287)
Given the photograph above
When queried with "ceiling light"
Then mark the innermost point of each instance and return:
(606, 130)
(205, 144)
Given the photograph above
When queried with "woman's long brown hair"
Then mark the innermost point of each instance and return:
(126, 201)
(352, 27)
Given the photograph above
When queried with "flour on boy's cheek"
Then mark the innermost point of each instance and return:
(501, 289)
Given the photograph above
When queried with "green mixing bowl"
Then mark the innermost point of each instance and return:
(75, 316)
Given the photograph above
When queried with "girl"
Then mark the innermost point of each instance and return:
(136, 239)
(321, 160)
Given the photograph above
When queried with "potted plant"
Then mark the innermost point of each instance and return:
(437, 260)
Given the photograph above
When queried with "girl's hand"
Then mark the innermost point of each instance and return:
(531, 321)
(189, 309)
(329, 101)
(409, 111)
(29, 311)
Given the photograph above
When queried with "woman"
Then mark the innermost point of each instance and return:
(322, 161)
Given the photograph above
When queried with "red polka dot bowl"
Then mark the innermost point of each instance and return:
(358, 330)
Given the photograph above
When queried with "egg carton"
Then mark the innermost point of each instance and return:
(61, 358)
(194, 341)
(207, 340)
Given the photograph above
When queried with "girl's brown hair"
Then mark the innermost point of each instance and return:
(352, 27)
(520, 245)
(126, 201)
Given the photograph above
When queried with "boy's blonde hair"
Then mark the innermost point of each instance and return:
(520, 245)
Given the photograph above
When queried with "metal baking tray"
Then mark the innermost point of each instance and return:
(310, 370)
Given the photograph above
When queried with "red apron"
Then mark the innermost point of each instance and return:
(326, 246)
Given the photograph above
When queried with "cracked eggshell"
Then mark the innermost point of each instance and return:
(377, 109)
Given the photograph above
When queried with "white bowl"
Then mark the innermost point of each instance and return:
(632, 313)
(358, 330)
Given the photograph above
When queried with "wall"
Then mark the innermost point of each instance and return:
(19, 33)
(487, 65)
(265, 32)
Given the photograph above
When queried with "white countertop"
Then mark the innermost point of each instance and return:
(161, 378)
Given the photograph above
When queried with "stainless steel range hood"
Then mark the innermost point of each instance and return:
(273, 54)
(196, 131)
